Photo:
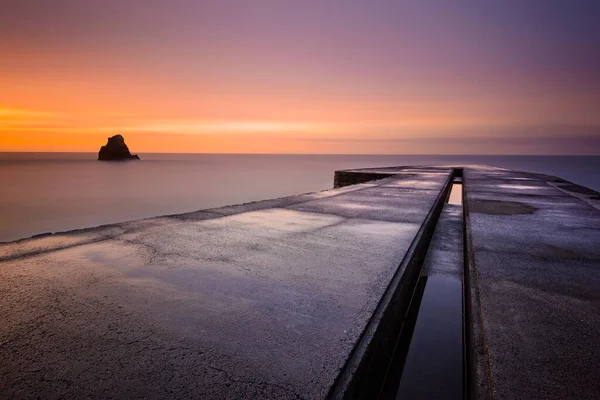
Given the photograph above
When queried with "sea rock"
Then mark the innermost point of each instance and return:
(116, 150)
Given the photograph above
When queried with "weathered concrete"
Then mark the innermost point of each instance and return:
(536, 285)
(284, 298)
(445, 254)
(265, 300)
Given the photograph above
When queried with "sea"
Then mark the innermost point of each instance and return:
(55, 192)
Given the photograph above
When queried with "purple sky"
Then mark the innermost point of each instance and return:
(521, 76)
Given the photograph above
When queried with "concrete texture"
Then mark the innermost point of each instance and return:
(264, 300)
(536, 273)
(445, 254)
(274, 299)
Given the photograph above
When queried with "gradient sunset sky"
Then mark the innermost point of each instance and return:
(301, 76)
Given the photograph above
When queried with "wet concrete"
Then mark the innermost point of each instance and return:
(536, 272)
(274, 299)
(428, 359)
(265, 300)
(456, 194)
(500, 207)
(434, 363)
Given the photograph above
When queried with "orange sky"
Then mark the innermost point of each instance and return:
(295, 79)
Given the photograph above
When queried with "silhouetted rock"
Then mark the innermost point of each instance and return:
(116, 150)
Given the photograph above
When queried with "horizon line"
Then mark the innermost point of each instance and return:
(313, 154)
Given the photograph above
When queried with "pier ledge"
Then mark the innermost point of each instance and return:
(401, 282)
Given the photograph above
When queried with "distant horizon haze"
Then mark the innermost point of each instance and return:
(53, 192)
(183, 153)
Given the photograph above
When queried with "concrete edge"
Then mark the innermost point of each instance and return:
(590, 198)
(113, 230)
(346, 178)
(368, 359)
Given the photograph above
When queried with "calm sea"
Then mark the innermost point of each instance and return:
(53, 192)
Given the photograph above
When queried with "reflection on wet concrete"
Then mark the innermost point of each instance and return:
(272, 299)
(535, 258)
(456, 194)
(434, 362)
(428, 356)
(520, 187)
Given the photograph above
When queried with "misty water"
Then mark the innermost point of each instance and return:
(53, 192)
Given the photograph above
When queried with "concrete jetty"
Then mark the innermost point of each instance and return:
(401, 282)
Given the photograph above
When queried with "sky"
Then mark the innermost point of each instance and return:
(301, 76)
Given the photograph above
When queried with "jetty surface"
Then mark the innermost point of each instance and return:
(403, 282)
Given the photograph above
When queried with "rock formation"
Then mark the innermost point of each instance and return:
(116, 150)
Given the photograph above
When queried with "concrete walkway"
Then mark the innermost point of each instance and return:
(536, 285)
(264, 300)
(287, 298)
